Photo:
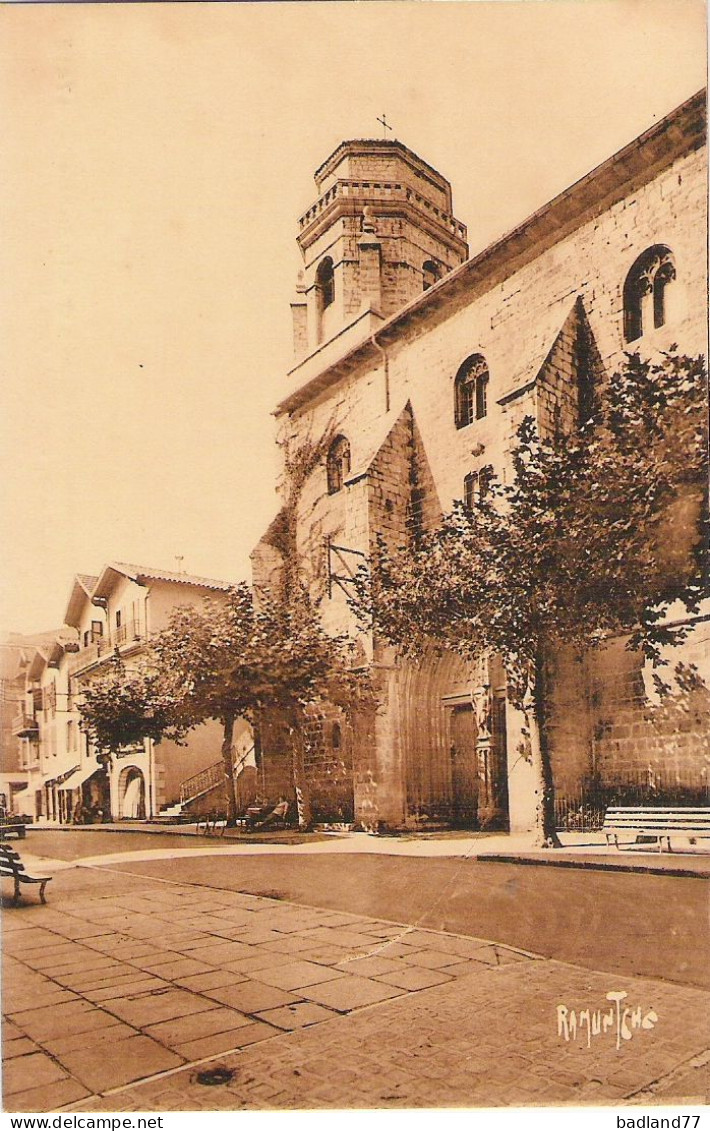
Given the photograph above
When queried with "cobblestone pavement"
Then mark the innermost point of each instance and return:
(144, 980)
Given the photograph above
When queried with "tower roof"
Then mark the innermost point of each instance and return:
(385, 148)
(389, 176)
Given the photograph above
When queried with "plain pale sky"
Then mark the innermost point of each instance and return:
(155, 159)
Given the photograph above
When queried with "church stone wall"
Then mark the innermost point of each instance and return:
(536, 301)
(513, 320)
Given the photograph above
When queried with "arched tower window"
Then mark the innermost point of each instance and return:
(471, 391)
(431, 274)
(338, 464)
(325, 281)
(336, 737)
(645, 291)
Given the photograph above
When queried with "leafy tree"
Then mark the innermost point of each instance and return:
(582, 544)
(227, 660)
(232, 659)
(123, 706)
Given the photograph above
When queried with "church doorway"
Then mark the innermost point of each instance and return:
(464, 767)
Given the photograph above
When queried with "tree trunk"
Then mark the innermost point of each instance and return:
(228, 759)
(300, 783)
(545, 830)
(258, 753)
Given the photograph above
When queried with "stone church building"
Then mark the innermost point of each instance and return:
(414, 365)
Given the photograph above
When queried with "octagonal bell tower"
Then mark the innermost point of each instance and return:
(381, 232)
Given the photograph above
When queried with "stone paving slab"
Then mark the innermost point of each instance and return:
(242, 1037)
(251, 996)
(488, 1040)
(410, 1016)
(181, 1030)
(132, 1058)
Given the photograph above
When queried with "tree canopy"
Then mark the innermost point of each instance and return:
(598, 532)
(124, 706)
(228, 659)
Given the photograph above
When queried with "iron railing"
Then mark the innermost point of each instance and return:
(583, 810)
(25, 726)
(207, 779)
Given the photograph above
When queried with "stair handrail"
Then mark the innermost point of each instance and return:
(208, 778)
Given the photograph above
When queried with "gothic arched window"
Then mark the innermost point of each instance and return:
(470, 489)
(325, 281)
(430, 274)
(338, 464)
(471, 391)
(476, 486)
(645, 298)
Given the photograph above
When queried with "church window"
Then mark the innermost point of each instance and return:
(484, 482)
(430, 274)
(476, 486)
(325, 281)
(471, 391)
(481, 395)
(470, 487)
(645, 291)
(338, 464)
(336, 739)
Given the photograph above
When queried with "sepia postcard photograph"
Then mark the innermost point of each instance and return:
(354, 588)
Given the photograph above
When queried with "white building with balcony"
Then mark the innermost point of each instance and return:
(117, 611)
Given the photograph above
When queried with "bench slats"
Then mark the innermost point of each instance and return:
(11, 866)
(656, 822)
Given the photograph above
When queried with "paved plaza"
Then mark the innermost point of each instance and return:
(119, 994)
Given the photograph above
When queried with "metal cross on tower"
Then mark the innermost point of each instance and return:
(385, 125)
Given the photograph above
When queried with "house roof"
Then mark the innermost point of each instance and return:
(681, 132)
(81, 591)
(17, 650)
(49, 654)
(143, 575)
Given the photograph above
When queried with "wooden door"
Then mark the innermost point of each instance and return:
(464, 770)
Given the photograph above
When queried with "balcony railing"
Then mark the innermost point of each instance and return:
(85, 657)
(124, 635)
(25, 726)
(386, 191)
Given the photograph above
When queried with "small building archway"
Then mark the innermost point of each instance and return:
(131, 793)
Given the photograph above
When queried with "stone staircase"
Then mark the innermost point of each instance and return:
(198, 785)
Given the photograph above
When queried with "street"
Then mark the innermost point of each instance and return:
(614, 921)
(323, 980)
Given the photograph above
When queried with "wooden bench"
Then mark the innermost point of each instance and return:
(656, 824)
(264, 816)
(9, 827)
(210, 826)
(11, 865)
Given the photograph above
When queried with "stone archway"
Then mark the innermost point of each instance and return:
(131, 792)
(455, 759)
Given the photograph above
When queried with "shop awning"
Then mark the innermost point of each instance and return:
(77, 776)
